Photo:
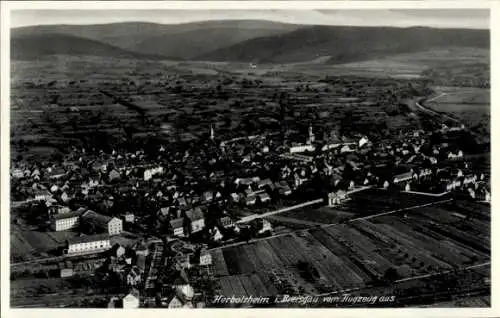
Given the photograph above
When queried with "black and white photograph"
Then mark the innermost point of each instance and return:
(248, 158)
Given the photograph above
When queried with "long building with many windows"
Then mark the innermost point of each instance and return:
(88, 244)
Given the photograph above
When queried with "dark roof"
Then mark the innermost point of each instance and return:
(177, 223)
(88, 238)
(67, 215)
(406, 175)
(57, 171)
(96, 218)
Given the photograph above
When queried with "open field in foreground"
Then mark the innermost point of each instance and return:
(428, 240)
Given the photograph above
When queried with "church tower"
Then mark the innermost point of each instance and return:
(212, 133)
(310, 139)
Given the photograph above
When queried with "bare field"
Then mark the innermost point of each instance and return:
(472, 105)
(350, 256)
(29, 244)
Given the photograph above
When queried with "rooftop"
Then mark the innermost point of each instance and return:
(96, 218)
(88, 238)
(67, 215)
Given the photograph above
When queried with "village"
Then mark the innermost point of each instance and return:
(151, 218)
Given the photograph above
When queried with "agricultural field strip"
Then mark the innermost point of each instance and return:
(411, 278)
(415, 245)
(449, 232)
(290, 258)
(324, 226)
(428, 241)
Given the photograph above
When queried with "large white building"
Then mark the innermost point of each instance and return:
(150, 172)
(65, 221)
(88, 244)
(131, 301)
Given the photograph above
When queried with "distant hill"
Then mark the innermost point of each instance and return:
(238, 41)
(346, 44)
(37, 46)
(184, 40)
(190, 44)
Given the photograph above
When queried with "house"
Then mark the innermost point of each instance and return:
(351, 185)
(150, 172)
(250, 200)
(207, 196)
(284, 189)
(114, 175)
(407, 187)
(205, 258)
(402, 177)
(134, 276)
(111, 225)
(234, 197)
(483, 195)
(66, 272)
(470, 178)
(88, 244)
(129, 217)
(263, 183)
(386, 184)
(472, 193)
(141, 262)
(66, 269)
(335, 198)
(226, 221)
(56, 173)
(177, 226)
(302, 148)
(65, 221)
(346, 148)
(100, 166)
(42, 195)
(185, 292)
(65, 197)
(425, 174)
(216, 234)
(59, 209)
(17, 173)
(114, 302)
(117, 250)
(131, 301)
(141, 249)
(197, 219)
(264, 197)
(35, 173)
(266, 226)
(181, 201)
(164, 211)
(172, 302)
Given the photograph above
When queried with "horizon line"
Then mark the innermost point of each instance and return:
(267, 20)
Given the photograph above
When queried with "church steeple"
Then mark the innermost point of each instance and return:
(311, 138)
(212, 133)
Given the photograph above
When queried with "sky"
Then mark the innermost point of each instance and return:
(441, 18)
